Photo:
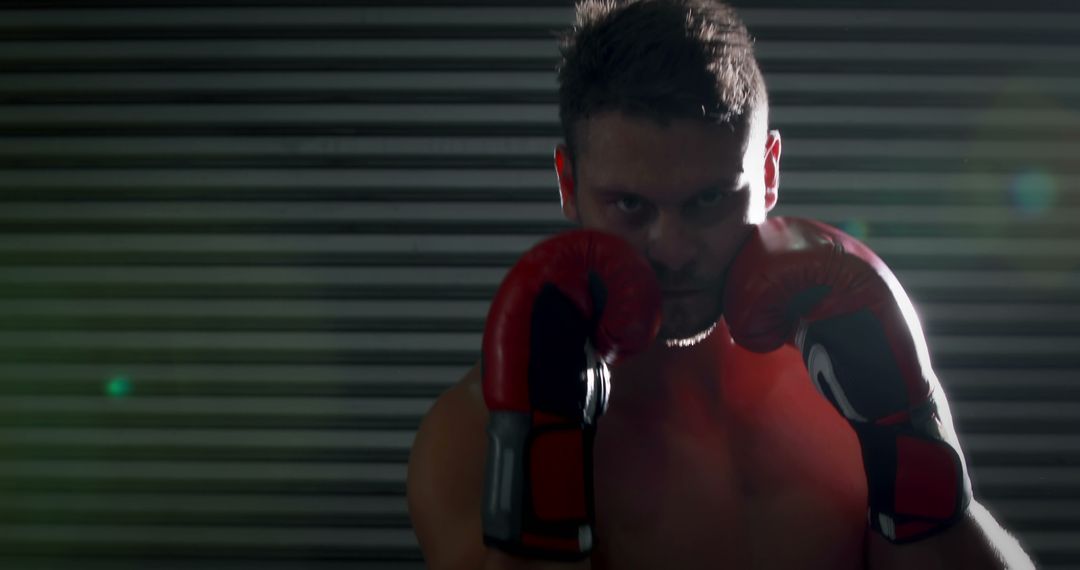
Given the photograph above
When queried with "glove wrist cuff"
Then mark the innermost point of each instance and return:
(917, 486)
(538, 493)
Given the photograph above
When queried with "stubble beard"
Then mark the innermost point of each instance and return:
(686, 324)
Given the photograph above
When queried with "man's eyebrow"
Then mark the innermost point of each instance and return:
(615, 191)
(726, 185)
(732, 183)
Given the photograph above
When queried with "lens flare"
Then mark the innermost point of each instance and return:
(1032, 193)
(118, 387)
(855, 228)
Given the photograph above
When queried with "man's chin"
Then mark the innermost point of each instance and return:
(686, 336)
(688, 322)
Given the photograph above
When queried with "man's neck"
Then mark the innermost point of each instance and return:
(663, 371)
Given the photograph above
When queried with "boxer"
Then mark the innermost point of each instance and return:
(685, 383)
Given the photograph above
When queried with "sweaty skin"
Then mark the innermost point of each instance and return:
(709, 456)
(733, 462)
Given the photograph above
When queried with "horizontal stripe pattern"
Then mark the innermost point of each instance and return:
(245, 245)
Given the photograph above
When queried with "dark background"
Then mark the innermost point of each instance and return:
(244, 245)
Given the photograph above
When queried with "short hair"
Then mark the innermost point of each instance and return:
(661, 59)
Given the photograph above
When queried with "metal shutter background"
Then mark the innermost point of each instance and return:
(244, 245)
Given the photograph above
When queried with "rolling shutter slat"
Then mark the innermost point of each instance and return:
(245, 244)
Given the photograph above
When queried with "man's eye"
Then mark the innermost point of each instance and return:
(628, 204)
(710, 198)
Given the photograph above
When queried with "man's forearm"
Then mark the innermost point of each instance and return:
(977, 542)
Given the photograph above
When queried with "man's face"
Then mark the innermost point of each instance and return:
(685, 194)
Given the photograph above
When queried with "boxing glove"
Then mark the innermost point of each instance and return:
(571, 306)
(805, 283)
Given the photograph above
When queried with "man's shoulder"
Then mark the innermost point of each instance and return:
(446, 474)
(455, 420)
(463, 401)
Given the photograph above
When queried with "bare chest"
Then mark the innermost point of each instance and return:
(770, 480)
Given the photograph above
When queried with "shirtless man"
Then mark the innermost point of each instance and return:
(715, 448)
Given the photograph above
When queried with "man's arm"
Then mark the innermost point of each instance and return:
(445, 480)
(803, 282)
(976, 542)
(445, 485)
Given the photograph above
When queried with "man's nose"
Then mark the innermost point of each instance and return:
(670, 244)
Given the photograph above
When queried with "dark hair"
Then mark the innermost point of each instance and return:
(661, 59)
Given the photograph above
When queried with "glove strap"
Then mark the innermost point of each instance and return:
(539, 501)
(916, 483)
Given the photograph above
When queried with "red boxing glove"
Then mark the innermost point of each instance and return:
(802, 282)
(571, 305)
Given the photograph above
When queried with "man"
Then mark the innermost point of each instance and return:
(708, 455)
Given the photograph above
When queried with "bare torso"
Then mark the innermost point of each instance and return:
(714, 457)
(733, 461)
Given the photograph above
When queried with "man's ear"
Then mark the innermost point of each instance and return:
(772, 169)
(564, 170)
